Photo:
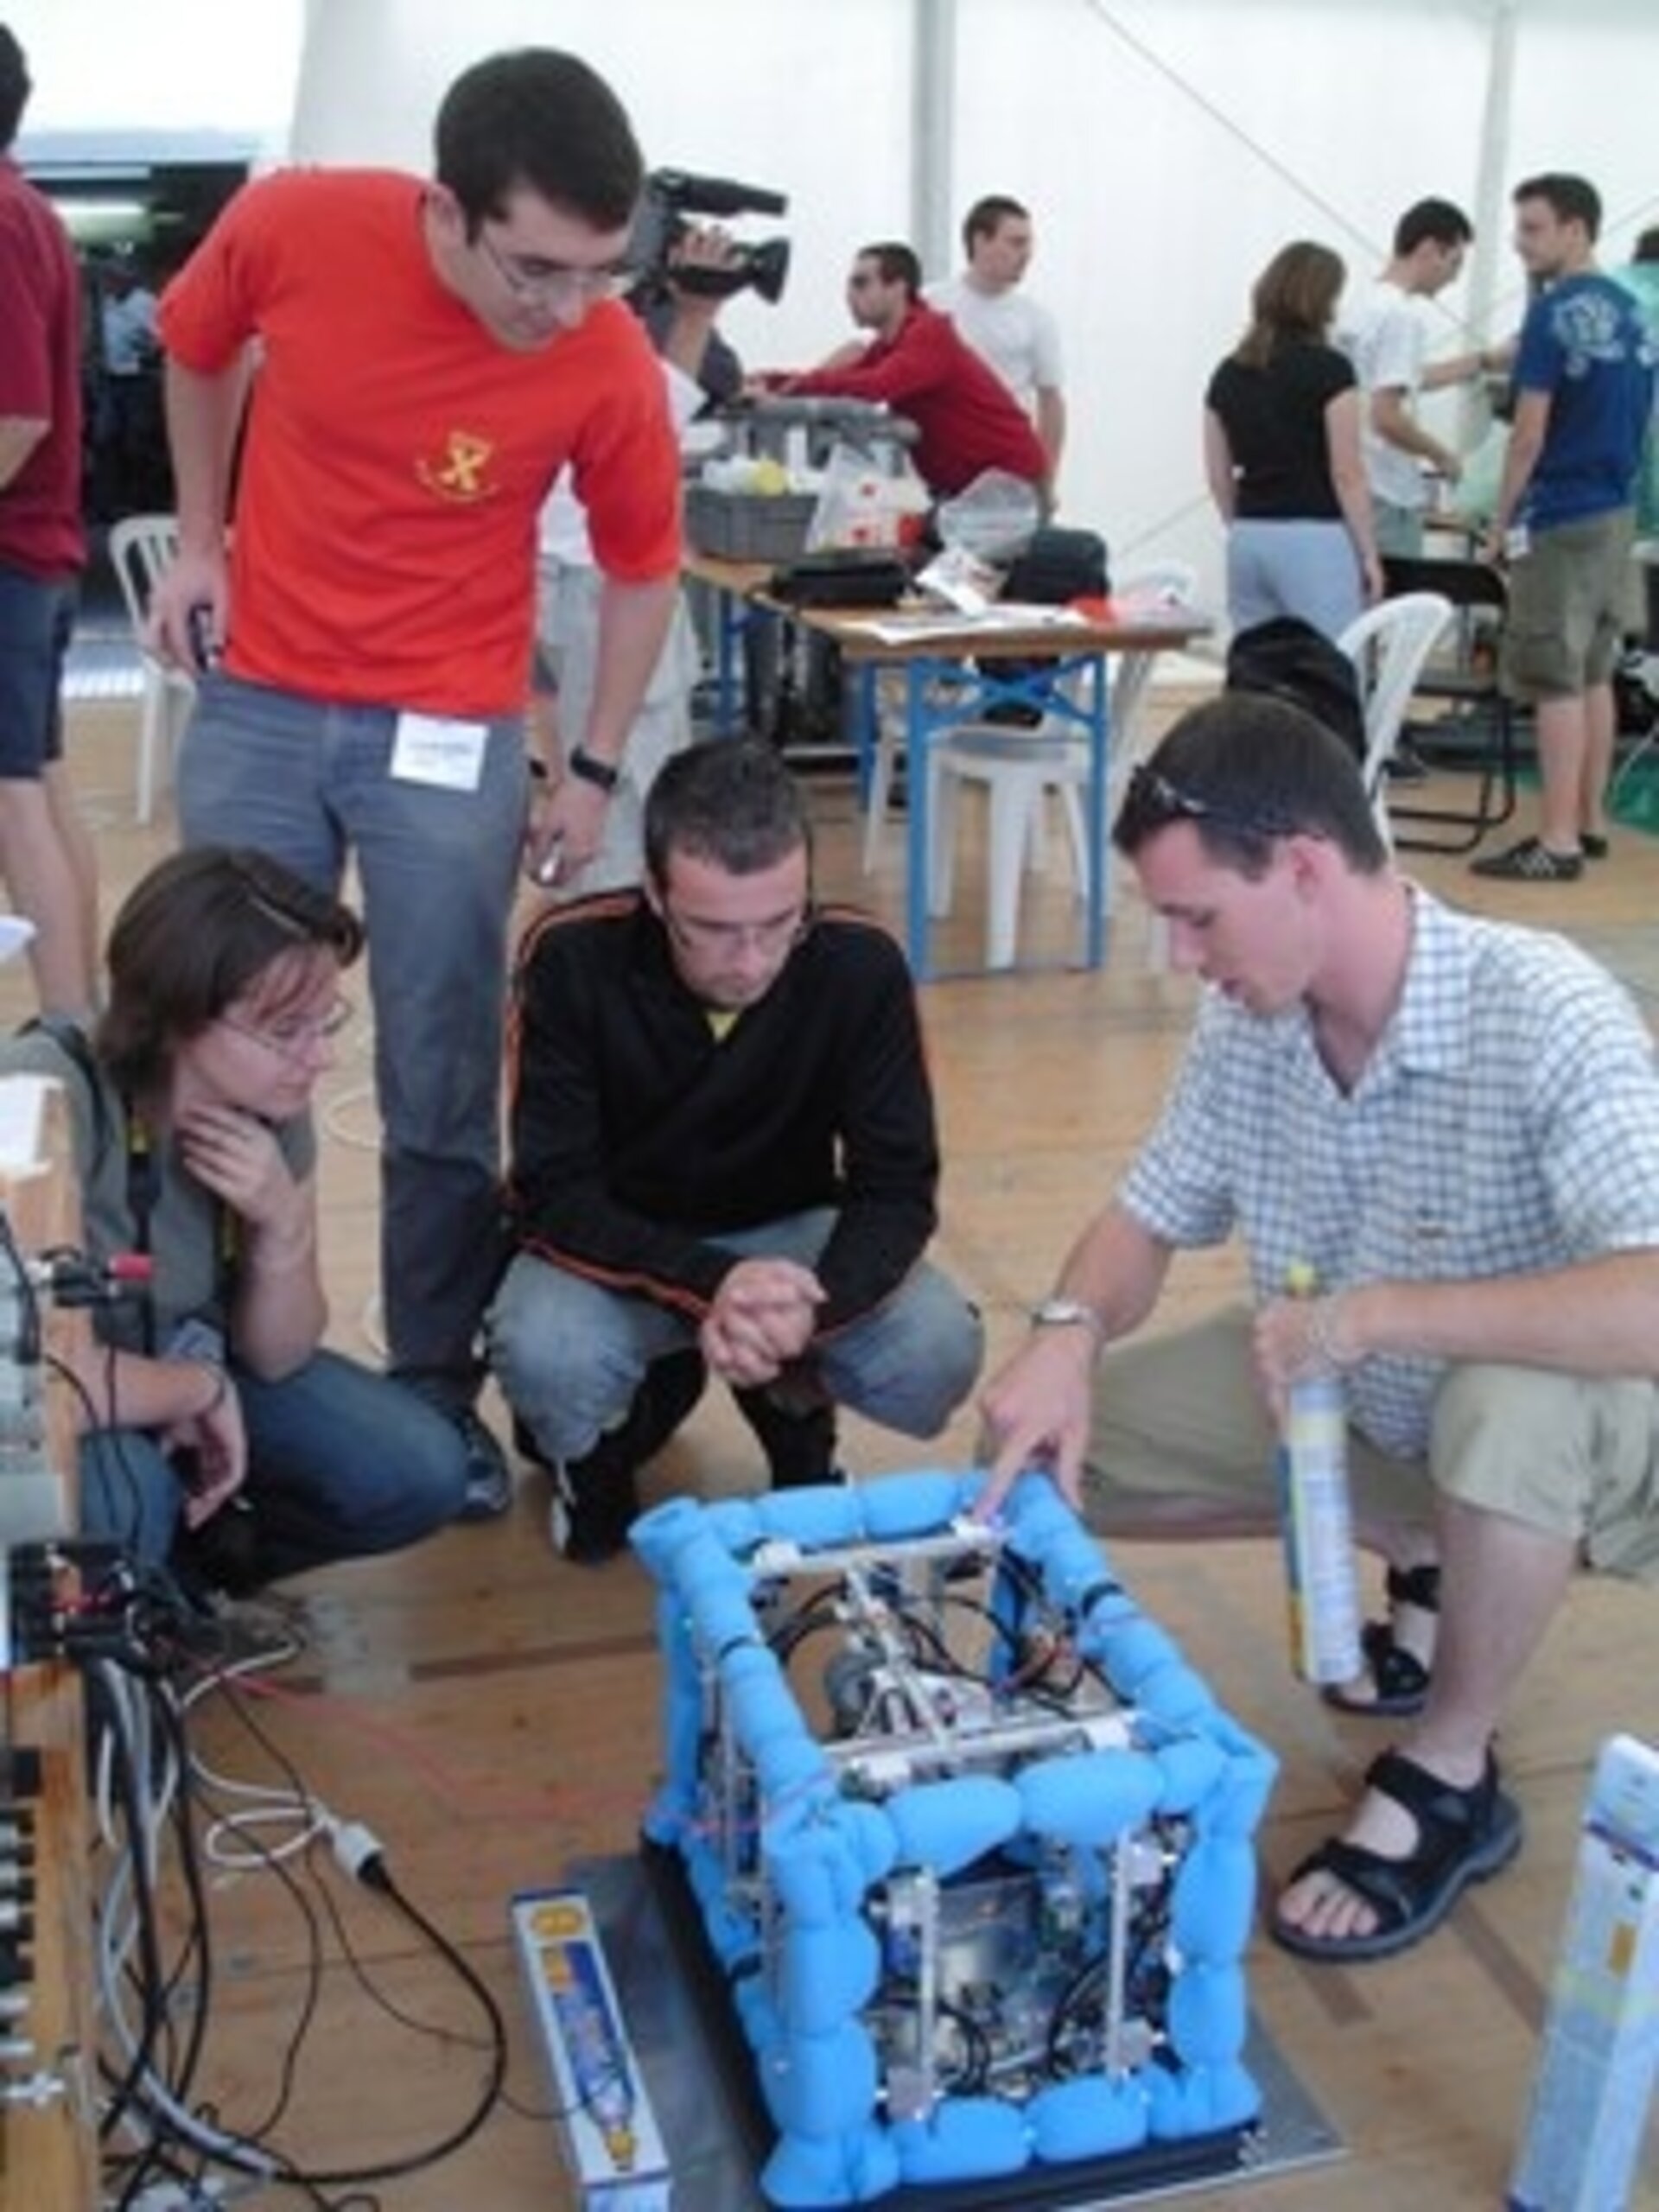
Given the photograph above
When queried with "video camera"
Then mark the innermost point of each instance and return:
(670, 196)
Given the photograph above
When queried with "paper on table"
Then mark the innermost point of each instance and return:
(906, 629)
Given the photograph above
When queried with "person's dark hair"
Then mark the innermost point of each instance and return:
(1647, 245)
(543, 120)
(1439, 219)
(190, 938)
(896, 264)
(1570, 199)
(15, 87)
(1292, 300)
(986, 216)
(731, 801)
(1246, 770)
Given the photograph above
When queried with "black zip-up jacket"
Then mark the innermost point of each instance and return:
(637, 1132)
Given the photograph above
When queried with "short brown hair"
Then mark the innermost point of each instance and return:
(191, 937)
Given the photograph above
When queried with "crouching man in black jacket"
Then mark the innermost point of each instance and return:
(724, 1160)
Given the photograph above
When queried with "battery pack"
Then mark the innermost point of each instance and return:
(607, 2129)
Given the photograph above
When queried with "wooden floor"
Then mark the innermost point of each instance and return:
(492, 1713)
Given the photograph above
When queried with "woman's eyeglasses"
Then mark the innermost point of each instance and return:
(293, 1039)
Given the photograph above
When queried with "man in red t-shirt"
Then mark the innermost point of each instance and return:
(46, 856)
(422, 357)
(918, 363)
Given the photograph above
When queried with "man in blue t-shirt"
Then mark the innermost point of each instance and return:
(1565, 519)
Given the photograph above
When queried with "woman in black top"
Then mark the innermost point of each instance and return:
(1281, 440)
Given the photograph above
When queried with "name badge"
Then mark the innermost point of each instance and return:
(429, 749)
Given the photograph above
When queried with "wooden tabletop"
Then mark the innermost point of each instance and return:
(938, 633)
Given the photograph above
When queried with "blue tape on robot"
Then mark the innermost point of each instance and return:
(825, 1872)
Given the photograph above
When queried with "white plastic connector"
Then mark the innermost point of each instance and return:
(353, 1845)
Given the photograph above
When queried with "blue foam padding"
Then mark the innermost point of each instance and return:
(822, 2085)
(1208, 2014)
(916, 1504)
(828, 1973)
(1092, 1798)
(1212, 1901)
(948, 1825)
(1190, 1767)
(1089, 2119)
(817, 2064)
(965, 2138)
(802, 2171)
(1198, 2100)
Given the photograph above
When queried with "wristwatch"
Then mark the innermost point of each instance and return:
(592, 770)
(1068, 1314)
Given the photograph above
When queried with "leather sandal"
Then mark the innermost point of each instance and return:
(1399, 1678)
(1463, 1836)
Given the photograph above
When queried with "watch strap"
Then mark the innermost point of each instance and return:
(592, 770)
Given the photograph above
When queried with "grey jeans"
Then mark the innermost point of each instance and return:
(310, 782)
(569, 1354)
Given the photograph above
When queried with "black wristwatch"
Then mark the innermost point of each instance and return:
(594, 770)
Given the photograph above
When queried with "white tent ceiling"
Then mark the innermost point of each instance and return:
(1166, 147)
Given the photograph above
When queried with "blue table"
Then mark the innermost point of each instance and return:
(950, 675)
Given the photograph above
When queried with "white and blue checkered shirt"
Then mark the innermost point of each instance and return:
(1507, 1122)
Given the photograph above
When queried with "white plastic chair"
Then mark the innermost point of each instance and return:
(1389, 645)
(141, 547)
(1018, 768)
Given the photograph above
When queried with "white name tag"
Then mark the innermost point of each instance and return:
(430, 750)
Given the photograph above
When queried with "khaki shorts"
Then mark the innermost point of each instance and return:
(1570, 604)
(1178, 1432)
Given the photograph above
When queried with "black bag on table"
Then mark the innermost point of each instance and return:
(1058, 565)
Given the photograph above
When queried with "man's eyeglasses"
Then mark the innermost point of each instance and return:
(781, 934)
(1152, 802)
(550, 283)
(293, 1039)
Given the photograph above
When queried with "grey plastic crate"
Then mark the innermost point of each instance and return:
(747, 525)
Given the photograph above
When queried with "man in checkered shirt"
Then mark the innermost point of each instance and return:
(1456, 1123)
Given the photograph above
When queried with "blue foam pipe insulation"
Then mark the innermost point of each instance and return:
(817, 2065)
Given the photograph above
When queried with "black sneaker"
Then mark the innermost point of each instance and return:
(800, 1447)
(1530, 861)
(1592, 847)
(595, 1498)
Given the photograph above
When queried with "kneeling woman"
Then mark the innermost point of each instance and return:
(210, 1406)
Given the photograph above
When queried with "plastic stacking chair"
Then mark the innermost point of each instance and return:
(1019, 769)
(1389, 646)
(141, 547)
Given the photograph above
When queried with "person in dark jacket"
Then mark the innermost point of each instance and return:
(723, 1160)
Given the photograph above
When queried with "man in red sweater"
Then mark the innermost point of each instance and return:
(919, 365)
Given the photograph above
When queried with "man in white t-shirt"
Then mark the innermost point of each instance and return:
(1386, 334)
(1019, 337)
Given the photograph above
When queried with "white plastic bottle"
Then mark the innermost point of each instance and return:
(1321, 1580)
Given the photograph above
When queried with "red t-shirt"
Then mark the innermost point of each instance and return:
(968, 419)
(40, 381)
(396, 455)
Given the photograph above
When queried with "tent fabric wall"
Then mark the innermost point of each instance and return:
(1165, 147)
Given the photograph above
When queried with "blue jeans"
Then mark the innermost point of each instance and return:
(1307, 568)
(36, 618)
(341, 1462)
(306, 782)
(569, 1356)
